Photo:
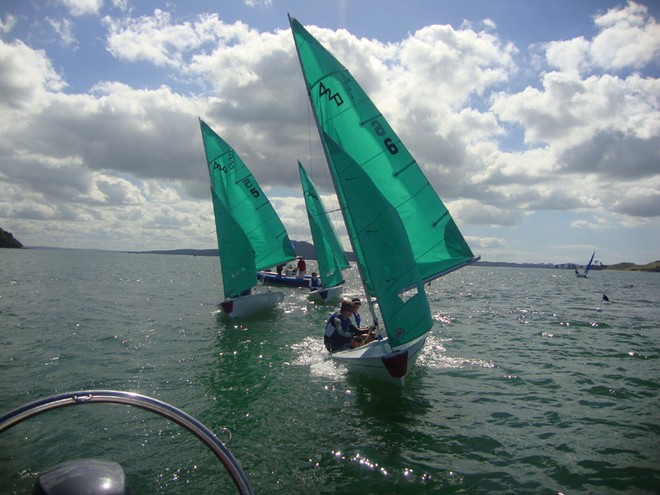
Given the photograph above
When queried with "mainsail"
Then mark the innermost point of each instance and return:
(250, 235)
(346, 114)
(383, 250)
(330, 254)
(402, 233)
(586, 270)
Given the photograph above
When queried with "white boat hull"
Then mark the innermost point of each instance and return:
(250, 305)
(326, 296)
(377, 358)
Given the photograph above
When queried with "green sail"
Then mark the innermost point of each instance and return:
(345, 113)
(251, 236)
(330, 254)
(383, 251)
(236, 255)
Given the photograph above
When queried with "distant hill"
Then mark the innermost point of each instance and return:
(7, 240)
(654, 266)
(307, 251)
(304, 249)
(514, 265)
(630, 267)
(185, 252)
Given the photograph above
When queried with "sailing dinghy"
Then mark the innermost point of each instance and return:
(251, 236)
(586, 269)
(267, 277)
(330, 255)
(402, 234)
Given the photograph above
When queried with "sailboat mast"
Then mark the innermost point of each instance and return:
(332, 175)
(222, 280)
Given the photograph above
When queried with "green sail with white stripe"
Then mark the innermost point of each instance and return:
(346, 114)
(330, 254)
(251, 236)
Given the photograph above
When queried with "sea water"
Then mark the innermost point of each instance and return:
(530, 382)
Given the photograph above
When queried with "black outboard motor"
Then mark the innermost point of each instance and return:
(83, 477)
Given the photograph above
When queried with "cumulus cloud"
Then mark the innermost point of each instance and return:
(639, 201)
(569, 110)
(583, 137)
(435, 52)
(597, 223)
(27, 78)
(569, 55)
(628, 38)
(486, 242)
(66, 154)
(82, 7)
(64, 29)
(158, 40)
(8, 23)
(119, 191)
(258, 3)
(614, 154)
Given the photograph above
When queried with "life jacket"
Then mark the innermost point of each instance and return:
(332, 339)
(331, 325)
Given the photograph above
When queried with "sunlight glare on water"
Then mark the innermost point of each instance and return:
(530, 382)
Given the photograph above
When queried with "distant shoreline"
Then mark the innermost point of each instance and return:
(649, 267)
(309, 254)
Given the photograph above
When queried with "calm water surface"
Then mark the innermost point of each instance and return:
(530, 383)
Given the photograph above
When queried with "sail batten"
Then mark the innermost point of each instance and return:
(450, 269)
(399, 172)
(440, 219)
(370, 119)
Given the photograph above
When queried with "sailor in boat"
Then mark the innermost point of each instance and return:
(302, 267)
(341, 333)
(314, 282)
(279, 269)
(357, 318)
(356, 311)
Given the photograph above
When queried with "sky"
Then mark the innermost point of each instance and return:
(537, 122)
